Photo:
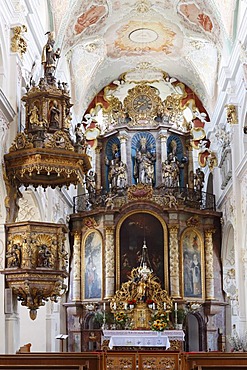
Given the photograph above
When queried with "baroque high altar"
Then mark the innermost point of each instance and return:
(140, 154)
(148, 150)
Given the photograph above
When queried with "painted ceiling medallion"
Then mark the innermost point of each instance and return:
(145, 36)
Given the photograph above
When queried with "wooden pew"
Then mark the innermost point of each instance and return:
(214, 360)
(54, 360)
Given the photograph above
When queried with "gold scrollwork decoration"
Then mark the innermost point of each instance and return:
(18, 43)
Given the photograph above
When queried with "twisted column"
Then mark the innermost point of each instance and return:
(76, 265)
(109, 262)
(209, 266)
(174, 261)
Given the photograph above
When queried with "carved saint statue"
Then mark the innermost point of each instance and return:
(54, 115)
(49, 56)
(91, 182)
(14, 256)
(144, 164)
(198, 179)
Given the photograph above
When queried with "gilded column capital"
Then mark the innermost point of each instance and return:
(123, 138)
(209, 232)
(163, 137)
(109, 229)
(173, 228)
(77, 236)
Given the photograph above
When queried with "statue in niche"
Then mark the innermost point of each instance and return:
(49, 56)
(44, 257)
(198, 180)
(54, 115)
(144, 164)
(34, 116)
(14, 256)
(121, 170)
(113, 166)
(167, 173)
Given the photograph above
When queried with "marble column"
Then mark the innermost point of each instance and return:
(209, 265)
(109, 262)
(12, 332)
(174, 261)
(163, 146)
(98, 166)
(123, 138)
(77, 268)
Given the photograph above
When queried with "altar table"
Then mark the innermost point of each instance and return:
(141, 338)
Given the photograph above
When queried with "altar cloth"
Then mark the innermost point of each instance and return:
(139, 341)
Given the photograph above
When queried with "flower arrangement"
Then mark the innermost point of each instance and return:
(132, 301)
(159, 321)
(149, 301)
(238, 343)
(121, 318)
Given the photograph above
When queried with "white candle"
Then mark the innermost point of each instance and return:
(125, 306)
(104, 306)
(164, 306)
(175, 306)
(114, 306)
(153, 306)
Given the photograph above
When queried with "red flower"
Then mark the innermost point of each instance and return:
(149, 301)
(132, 301)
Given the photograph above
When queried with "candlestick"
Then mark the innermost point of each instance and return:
(104, 306)
(175, 306)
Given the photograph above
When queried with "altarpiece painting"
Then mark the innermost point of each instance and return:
(134, 230)
(93, 266)
(192, 262)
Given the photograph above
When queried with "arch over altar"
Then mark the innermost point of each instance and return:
(131, 230)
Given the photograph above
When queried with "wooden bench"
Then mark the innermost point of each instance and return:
(214, 360)
(54, 360)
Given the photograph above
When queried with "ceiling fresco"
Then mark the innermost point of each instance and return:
(103, 39)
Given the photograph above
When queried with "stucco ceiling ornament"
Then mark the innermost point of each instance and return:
(223, 135)
(143, 6)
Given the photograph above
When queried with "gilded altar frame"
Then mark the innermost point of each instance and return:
(165, 245)
(192, 264)
(92, 265)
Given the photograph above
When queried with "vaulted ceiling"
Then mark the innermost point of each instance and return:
(104, 38)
